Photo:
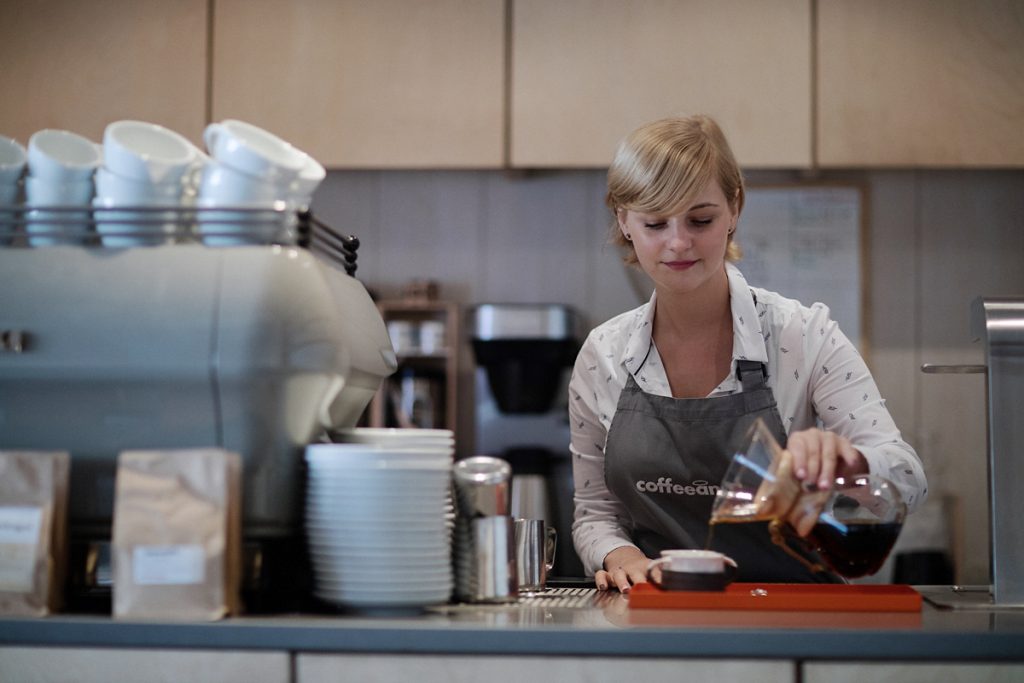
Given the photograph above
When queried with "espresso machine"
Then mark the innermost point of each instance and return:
(258, 349)
(524, 355)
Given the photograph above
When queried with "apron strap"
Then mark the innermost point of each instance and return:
(752, 374)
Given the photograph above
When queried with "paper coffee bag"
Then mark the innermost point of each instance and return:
(33, 531)
(177, 534)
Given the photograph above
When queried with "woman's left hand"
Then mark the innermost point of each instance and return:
(820, 456)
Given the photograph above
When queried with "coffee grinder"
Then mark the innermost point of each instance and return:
(524, 354)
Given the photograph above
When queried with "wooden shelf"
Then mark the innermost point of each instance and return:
(437, 368)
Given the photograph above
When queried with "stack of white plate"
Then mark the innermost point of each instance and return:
(379, 517)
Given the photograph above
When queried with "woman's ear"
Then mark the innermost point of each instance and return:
(620, 218)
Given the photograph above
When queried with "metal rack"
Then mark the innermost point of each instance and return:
(25, 226)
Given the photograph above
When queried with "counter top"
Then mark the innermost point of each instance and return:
(570, 621)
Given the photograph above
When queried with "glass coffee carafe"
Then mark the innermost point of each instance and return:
(852, 527)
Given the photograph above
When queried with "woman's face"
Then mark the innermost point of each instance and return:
(686, 250)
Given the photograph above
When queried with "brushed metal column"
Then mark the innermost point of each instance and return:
(1000, 323)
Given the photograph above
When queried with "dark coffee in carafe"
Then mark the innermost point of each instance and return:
(854, 550)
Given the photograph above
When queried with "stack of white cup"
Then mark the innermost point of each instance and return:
(252, 169)
(146, 167)
(12, 164)
(60, 174)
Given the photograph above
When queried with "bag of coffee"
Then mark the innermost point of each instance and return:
(177, 534)
(33, 531)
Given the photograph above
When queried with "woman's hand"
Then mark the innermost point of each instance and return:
(623, 567)
(818, 457)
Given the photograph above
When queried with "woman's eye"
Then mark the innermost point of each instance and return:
(654, 224)
(702, 222)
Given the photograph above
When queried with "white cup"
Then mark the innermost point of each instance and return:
(255, 151)
(50, 227)
(693, 561)
(312, 174)
(243, 223)
(223, 185)
(133, 228)
(61, 156)
(12, 160)
(405, 336)
(432, 336)
(146, 151)
(46, 192)
(8, 226)
(8, 193)
(120, 190)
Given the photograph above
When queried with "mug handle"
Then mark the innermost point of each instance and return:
(550, 545)
(731, 569)
(210, 136)
(651, 565)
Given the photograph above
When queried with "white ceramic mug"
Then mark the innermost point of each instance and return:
(133, 228)
(243, 223)
(254, 151)
(61, 156)
(50, 227)
(146, 152)
(223, 185)
(692, 570)
(312, 174)
(123, 191)
(13, 158)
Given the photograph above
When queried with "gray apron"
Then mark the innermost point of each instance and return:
(665, 457)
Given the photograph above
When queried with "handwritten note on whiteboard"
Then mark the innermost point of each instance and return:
(804, 242)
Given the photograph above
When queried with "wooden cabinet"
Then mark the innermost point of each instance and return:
(329, 668)
(585, 73)
(384, 84)
(80, 65)
(920, 83)
(95, 665)
(910, 672)
(423, 392)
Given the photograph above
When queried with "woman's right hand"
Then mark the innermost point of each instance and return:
(623, 567)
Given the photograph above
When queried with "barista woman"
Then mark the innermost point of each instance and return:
(658, 392)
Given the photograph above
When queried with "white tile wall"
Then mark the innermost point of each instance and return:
(936, 240)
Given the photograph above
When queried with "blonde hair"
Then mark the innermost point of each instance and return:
(661, 167)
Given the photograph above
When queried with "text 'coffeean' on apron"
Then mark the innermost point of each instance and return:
(665, 458)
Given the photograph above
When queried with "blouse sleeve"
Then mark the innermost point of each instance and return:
(846, 399)
(601, 521)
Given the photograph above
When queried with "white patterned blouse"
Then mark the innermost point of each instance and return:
(817, 375)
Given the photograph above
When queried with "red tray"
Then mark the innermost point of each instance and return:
(815, 597)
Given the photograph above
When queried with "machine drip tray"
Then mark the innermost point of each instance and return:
(973, 598)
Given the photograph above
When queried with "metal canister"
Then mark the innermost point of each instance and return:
(484, 542)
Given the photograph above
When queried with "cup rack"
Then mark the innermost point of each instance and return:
(24, 226)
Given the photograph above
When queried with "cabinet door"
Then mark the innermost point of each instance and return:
(587, 72)
(80, 65)
(103, 665)
(920, 83)
(383, 84)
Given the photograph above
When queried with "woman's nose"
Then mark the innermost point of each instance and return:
(681, 238)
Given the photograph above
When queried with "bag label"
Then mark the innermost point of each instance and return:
(168, 565)
(19, 540)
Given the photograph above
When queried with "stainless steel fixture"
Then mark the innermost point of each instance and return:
(484, 537)
(999, 324)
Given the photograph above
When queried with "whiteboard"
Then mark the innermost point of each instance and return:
(806, 242)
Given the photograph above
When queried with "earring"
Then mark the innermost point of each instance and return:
(629, 237)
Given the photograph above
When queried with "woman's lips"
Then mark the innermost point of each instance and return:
(679, 265)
